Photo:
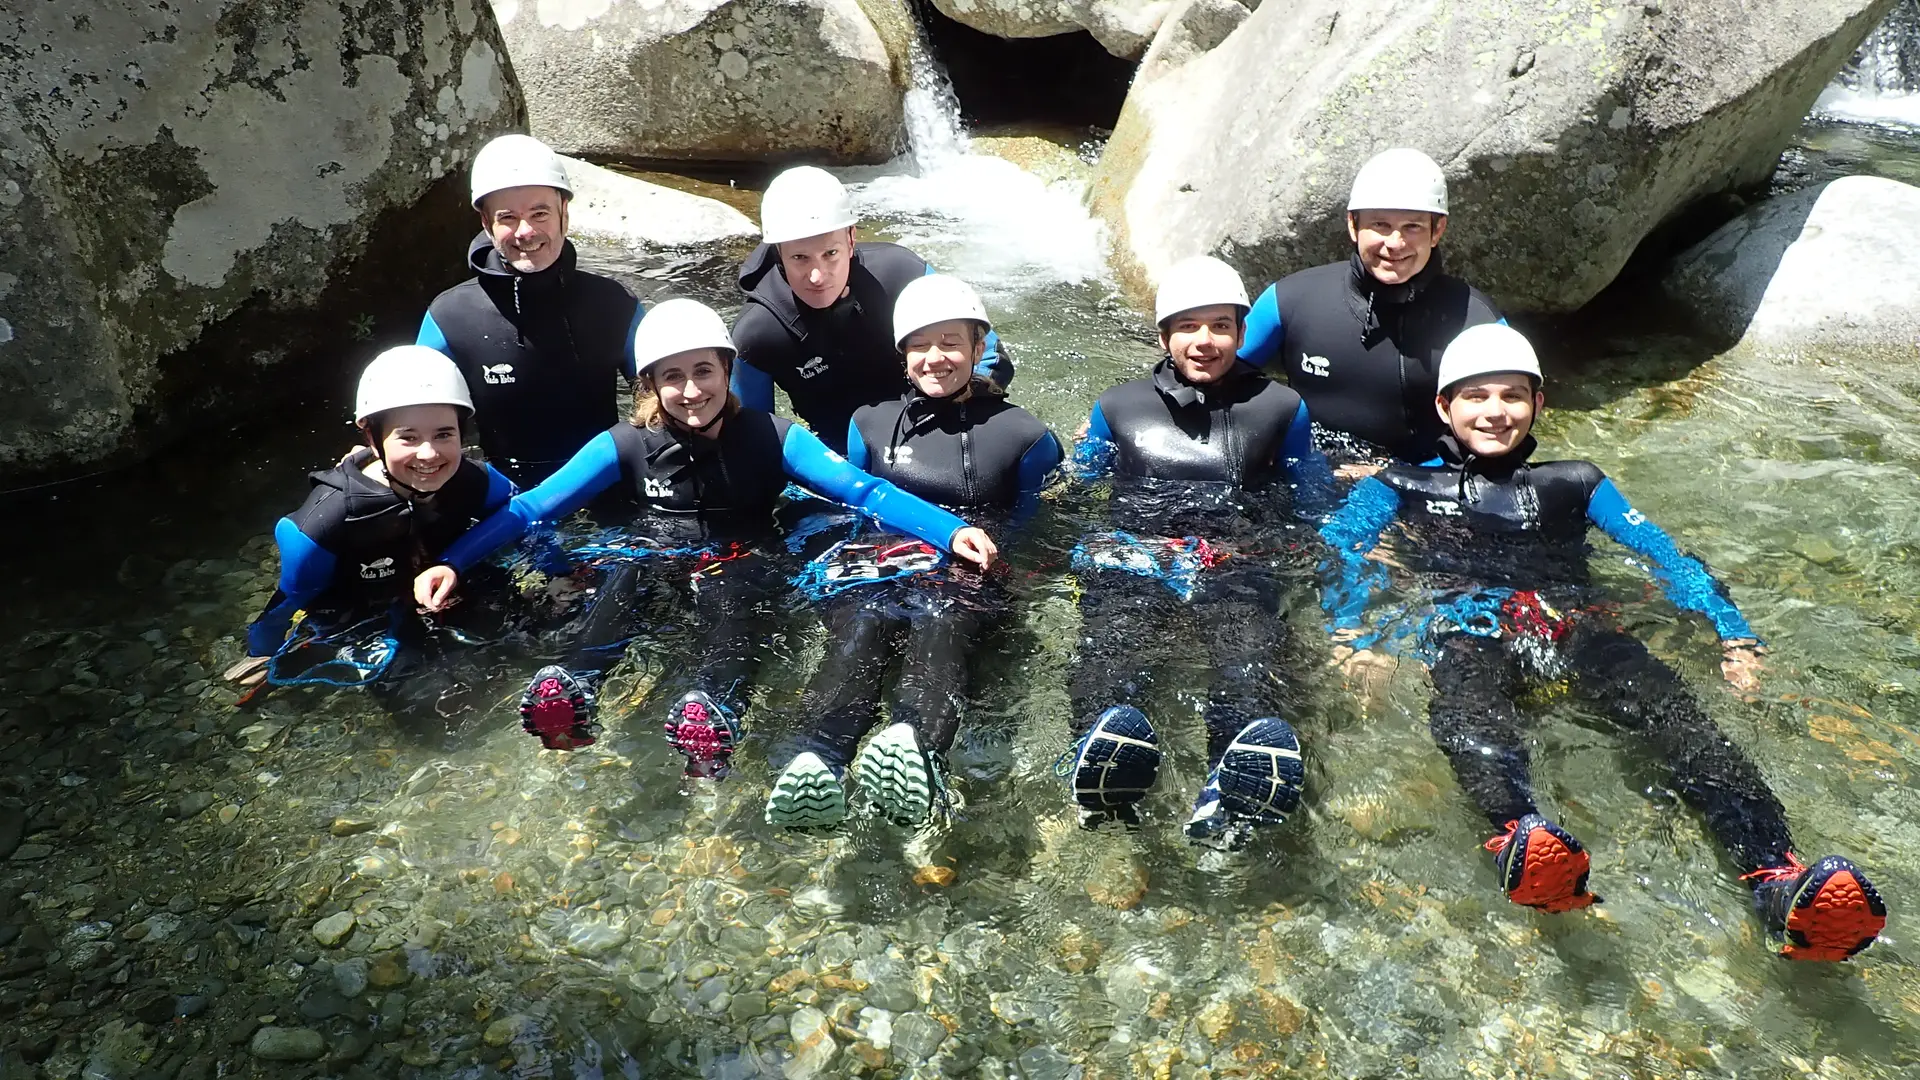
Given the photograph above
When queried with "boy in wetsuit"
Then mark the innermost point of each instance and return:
(1197, 451)
(1501, 549)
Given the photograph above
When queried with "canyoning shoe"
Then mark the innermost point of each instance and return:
(1541, 865)
(705, 731)
(809, 793)
(1115, 763)
(899, 780)
(1257, 782)
(1827, 911)
(558, 708)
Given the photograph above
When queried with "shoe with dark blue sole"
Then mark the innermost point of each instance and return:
(1260, 776)
(1116, 761)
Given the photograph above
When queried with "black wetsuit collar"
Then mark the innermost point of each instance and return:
(1167, 380)
(1369, 293)
(1497, 469)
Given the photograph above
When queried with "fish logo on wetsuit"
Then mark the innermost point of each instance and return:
(899, 455)
(1316, 365)
(815, 366)
(377, 569)
(498, 374)
(657, 488)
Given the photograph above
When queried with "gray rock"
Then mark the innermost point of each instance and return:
(151, 1006)
(1608, 129)
(813, 1045)
(1122, 27)
(917, 1036)
(613, 206)
(720, 80)
(13, 827)
(350, 976)
(119, 1049)
(323, 1005)
(333, 929)
(1788, 271)
(233, 198)
(287, 1044)
(393, 1015)
(31, 852)
(194, 805)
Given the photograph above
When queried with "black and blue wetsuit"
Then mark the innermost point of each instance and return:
(348, 556)
(1205, 523)
(705, 500)
(831, 360)
(977, 453)
(543, 354)
(1363, 355)
(1499, 551)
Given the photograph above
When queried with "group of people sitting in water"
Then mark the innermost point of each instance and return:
(1352, 410)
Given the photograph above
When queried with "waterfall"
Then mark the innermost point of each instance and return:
(934, 131)
(1881, 84)
(981, 217)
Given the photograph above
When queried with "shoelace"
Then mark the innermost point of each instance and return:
(1500, 839)
(1766, 874)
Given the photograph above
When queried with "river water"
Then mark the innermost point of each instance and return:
(178, 874)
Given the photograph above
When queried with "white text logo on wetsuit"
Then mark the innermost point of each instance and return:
(1315, 365)
(498, 373)
(1443, 507)
(377, 569)
(657, 488)
(899, 455)
(815, 366)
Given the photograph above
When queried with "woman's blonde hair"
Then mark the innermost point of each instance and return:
(647, 411)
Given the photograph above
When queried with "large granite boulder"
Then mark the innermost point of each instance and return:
(1568, 131)
(1123, 27)
(1824, 267)
(613, 206)
(202, 198)
(713, 80)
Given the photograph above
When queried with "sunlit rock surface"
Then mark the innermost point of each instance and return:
(1122, 27)
(608, 205)
(197, 194)
(1568, 130)
(713, 80)
(1811, 268)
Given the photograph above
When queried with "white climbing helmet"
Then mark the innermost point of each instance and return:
(935, 298)
(1200, 281)
(1488, 349)
(1399, 179)
(410, 375)
(517, 161)
(802, 202)
(675, 326)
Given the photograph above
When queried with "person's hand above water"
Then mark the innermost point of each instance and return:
(435, 586)
(974, 545)
(248, 672)
(1357, 470)
(1740, 663)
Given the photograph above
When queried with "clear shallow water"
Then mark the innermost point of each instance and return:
(534, 914)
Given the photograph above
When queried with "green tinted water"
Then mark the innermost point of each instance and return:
(533, 914)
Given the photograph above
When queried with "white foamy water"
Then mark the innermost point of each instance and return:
(1856, 105)
(1876, 88)
(980, 217)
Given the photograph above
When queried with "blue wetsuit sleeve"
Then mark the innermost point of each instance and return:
(752, 386)
(856, 446)
(591, 471)
(1313, 493)
(996, 363)
(1261, 345)
(1038, 463)
(500, 490)
(1353, 532)
(1093, 454)
(629, 367)
(306, 569)
(432, 336)
(809, 461)
(1686, 580)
